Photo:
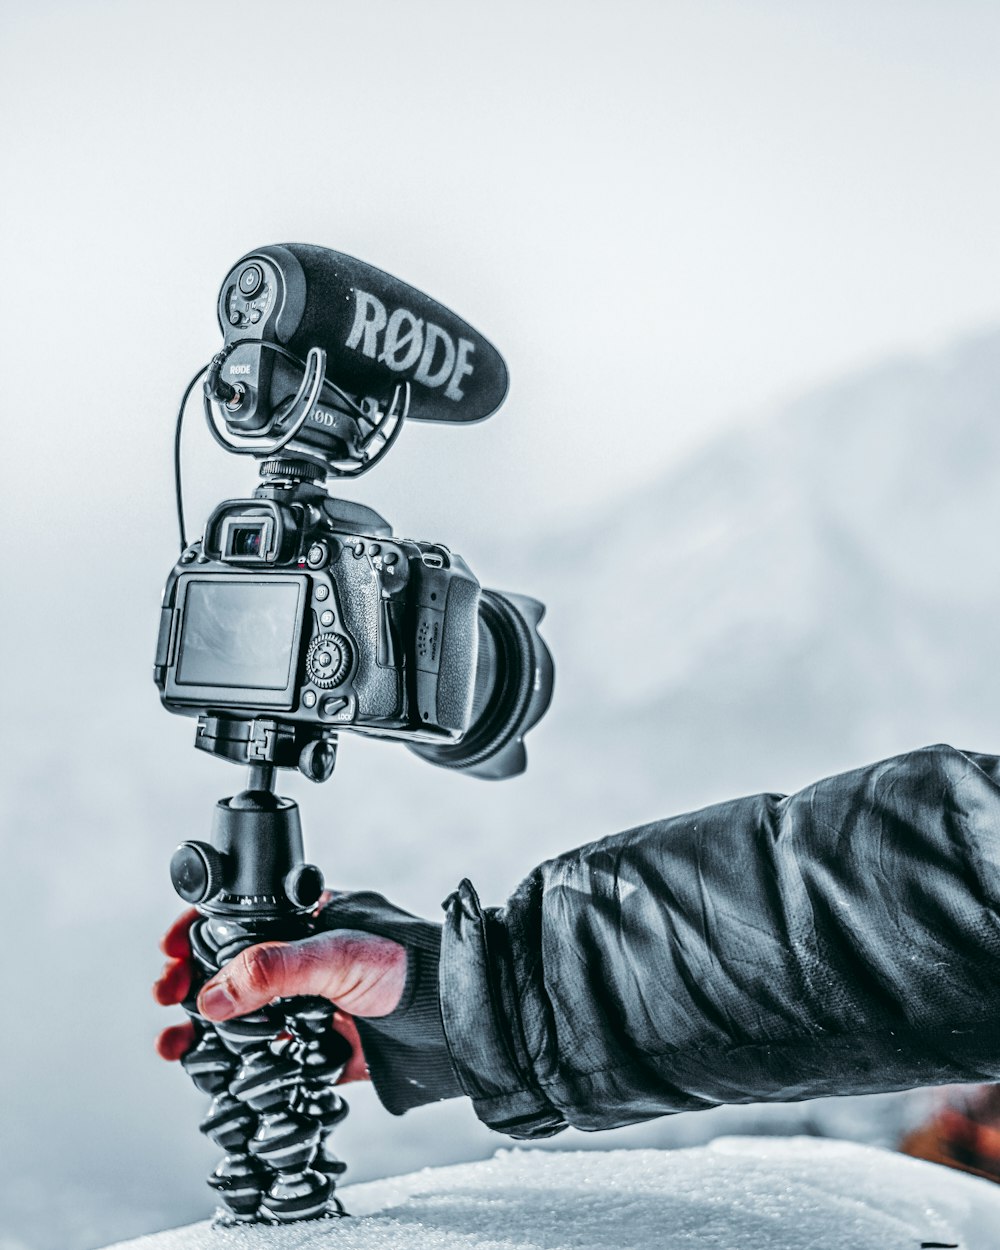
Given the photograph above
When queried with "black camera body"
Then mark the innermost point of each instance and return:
(309, 610)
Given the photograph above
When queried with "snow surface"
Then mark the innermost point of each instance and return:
(739, 1193)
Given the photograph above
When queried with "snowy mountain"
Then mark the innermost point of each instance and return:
(808, 592)
(814, 590)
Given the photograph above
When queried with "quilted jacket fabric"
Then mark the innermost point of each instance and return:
(841, 940)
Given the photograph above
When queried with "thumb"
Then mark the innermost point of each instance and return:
(363, 974)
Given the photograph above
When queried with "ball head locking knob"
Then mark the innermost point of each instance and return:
(196, 871)
(304, 885)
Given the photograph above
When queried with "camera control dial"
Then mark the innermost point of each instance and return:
(328, 660)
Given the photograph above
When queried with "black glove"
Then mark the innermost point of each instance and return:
(406, 1051)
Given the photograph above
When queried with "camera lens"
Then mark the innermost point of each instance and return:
(246, 542)
(513, 686)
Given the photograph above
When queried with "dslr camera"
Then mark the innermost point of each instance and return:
(298, 615)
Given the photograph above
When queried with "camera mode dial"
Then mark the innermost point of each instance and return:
(328, 659)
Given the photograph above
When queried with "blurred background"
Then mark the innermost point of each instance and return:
(742, 263)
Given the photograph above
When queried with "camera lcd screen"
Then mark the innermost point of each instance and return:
(238, 635)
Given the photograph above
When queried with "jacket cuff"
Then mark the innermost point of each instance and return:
(406, 1052)
(481, 1018)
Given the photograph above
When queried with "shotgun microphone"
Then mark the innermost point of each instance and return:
(281, 306)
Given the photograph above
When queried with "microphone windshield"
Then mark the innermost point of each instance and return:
(377, 331)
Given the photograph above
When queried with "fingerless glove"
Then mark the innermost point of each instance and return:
(406, 1051)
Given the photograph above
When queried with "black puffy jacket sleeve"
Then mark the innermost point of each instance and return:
(842, 940)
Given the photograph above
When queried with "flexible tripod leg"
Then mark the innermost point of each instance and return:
(270, 1073)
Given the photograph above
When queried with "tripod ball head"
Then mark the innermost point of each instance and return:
(255, 860)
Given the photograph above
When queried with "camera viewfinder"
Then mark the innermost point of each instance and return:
(248, 540)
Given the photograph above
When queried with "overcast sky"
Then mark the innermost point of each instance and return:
(666, 215)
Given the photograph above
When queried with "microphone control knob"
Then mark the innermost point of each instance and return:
(196, 871)
(304, 885)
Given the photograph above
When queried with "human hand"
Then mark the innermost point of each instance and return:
(361, 973)
(376, 963)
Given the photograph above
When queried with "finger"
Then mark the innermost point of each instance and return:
(174, 983)
(324, 898)
(175, 1041)
(259, 975)
(356, 1069)
(175, 942)
(362, 973)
